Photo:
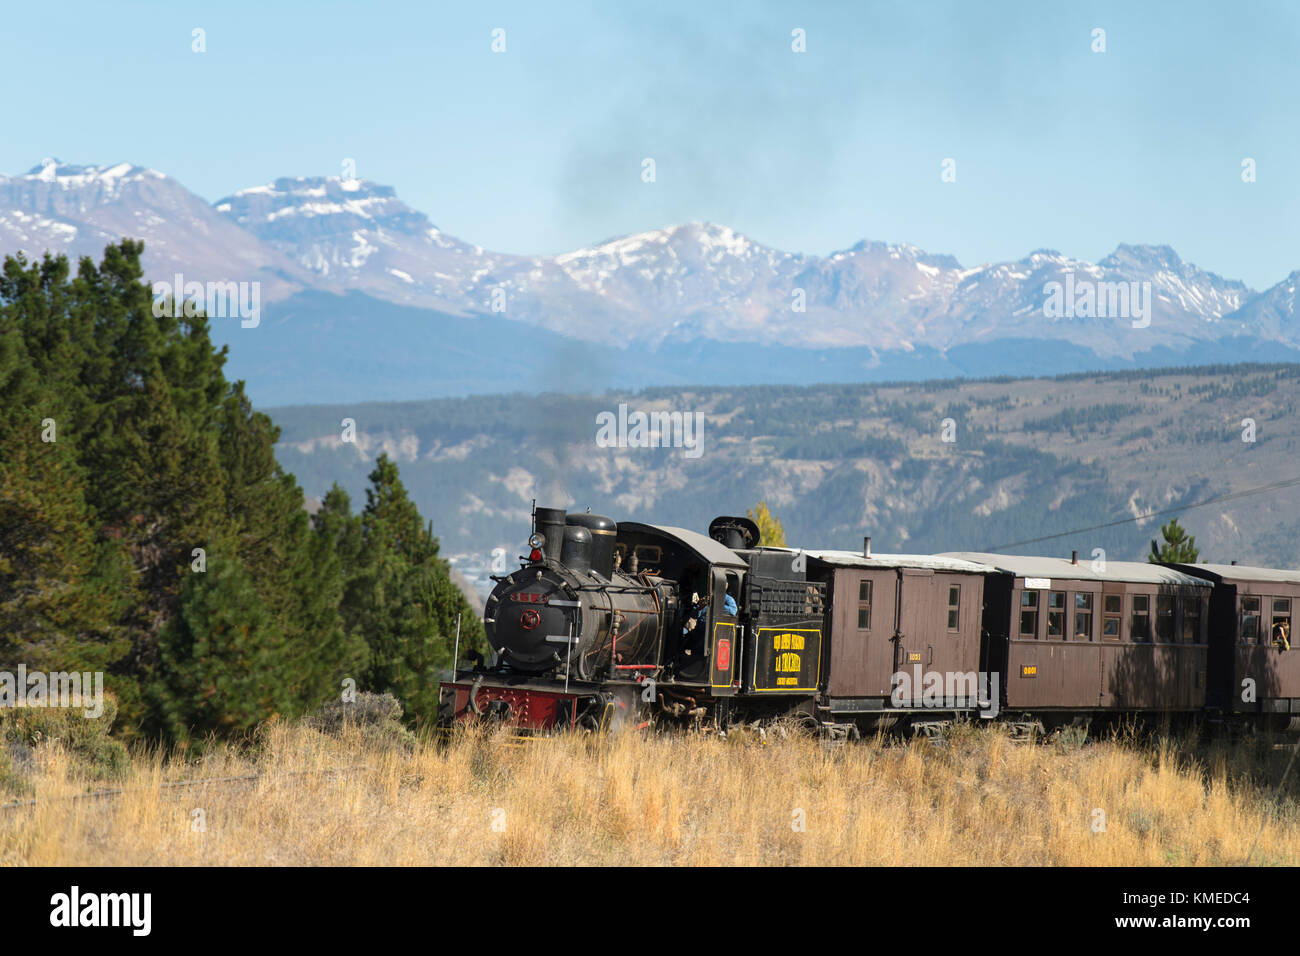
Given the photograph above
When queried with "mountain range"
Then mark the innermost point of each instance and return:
(365, 298)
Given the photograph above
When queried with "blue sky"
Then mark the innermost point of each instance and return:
(539, 149)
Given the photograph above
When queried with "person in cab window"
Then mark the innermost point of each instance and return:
(696, 628)
(1282, 635)
(729, 605)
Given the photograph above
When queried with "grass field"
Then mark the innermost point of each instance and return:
(294, 795)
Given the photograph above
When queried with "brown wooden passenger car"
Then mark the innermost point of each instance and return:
(1115, 636)
(1254, 667)
(893, 613)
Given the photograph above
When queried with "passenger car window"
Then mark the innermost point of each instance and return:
(1280, 634)
(1192, 620)
(1140, 625)
(1249, 620)
(1056, 615)
(864, 605)
(1083, 617)
(1165, 619)
(1112, 606)
(954, 606)
(1029, 614)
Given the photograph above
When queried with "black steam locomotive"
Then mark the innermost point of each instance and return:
(606, 625)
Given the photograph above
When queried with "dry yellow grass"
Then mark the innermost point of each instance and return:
(485, 798)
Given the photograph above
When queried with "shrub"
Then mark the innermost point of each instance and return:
(378, 717)
(23, 730)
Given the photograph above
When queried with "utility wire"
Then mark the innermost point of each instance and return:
(1275, 486)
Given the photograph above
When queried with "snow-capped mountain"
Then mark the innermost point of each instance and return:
(1171, 303)
(78, 210)
(703, 280)
(352, 234)
(1275, 313)
(692, 281)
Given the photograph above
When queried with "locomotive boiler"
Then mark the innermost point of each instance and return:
(570, 612)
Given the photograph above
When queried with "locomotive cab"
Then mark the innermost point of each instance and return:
(701, 567)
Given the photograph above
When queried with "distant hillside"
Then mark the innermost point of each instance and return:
(1031, 457)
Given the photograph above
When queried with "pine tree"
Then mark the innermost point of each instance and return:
(60, 586)
(157, 457)
(401, 597)
(1178, 547)
(322, 650)
(222, 666)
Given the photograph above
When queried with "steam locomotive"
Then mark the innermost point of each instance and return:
(609, 625)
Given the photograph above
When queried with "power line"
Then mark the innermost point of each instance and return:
(1275, 486)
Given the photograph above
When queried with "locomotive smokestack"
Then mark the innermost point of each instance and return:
(550, 523)
(1074, 557)
(734, 532)
(866, 546)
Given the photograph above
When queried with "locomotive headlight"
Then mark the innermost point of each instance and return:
(536, 539)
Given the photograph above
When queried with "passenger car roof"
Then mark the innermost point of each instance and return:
(1032, 566)
(1242, 572)
(934, 562)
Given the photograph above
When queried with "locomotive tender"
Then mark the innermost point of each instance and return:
(608, 625)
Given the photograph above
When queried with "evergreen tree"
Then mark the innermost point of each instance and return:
(1178, 547)
(61, 587)
(401, 597)
(157, 455)
(222, 663)
(161, 465)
